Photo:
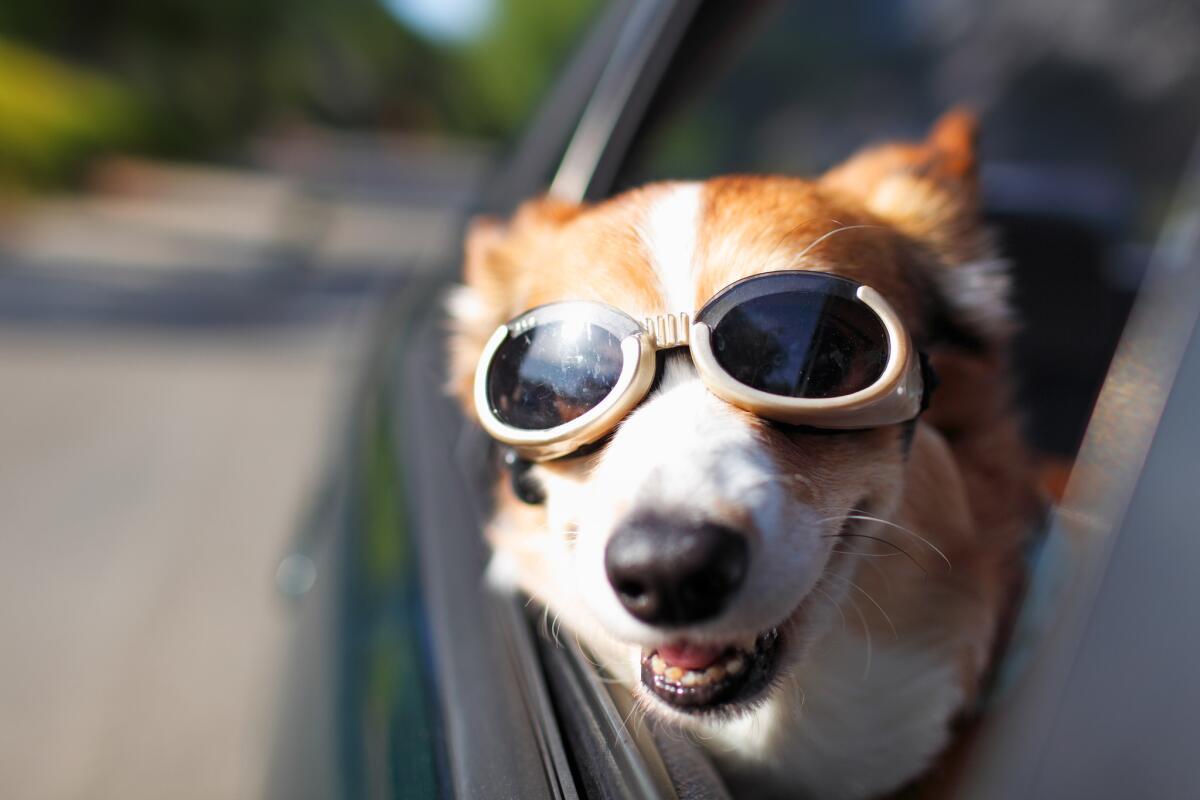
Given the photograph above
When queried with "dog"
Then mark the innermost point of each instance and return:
(877, 566)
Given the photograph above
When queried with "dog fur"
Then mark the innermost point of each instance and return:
(885, 643)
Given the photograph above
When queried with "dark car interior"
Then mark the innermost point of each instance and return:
(1080, 162)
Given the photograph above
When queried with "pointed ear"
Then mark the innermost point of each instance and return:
(493, 283)
(489, 261)
(928, 190)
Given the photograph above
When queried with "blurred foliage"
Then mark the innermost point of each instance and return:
(503, 75)
(191, 78)
(52, 117)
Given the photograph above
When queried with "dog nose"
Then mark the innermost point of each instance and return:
(671, 572)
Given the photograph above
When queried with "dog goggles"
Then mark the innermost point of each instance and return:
(797, 347)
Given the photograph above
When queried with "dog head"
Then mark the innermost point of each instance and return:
(698, 549)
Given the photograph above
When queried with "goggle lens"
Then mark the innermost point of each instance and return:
(801, 344)
(553, 373)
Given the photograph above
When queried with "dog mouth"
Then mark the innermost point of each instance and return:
(697, 678)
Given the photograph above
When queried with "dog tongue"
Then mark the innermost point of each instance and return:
(690, 656)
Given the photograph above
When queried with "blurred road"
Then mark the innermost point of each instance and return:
(173, 354)
(147, 489)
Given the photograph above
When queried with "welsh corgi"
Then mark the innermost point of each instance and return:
(872, 568)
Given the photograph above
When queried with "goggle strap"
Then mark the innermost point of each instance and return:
(929, 381)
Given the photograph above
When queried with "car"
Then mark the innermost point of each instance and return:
(410, 678)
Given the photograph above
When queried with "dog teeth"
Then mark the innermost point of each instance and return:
(735, 662)
(696, 677)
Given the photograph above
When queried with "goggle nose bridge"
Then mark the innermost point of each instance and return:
(668, 330)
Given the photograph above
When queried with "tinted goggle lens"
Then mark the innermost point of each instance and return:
(553, 373)
(802, 344)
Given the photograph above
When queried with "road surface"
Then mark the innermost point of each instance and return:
(174, 351)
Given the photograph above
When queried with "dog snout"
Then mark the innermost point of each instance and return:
(675, 572)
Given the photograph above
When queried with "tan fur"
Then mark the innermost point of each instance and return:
(891, 217)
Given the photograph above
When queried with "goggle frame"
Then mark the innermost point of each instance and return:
(894, 397)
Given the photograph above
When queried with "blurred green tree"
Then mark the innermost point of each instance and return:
(53, 117)
(192, 78)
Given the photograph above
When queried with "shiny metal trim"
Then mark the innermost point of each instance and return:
(645, 37)
(545, 726)
(640, 770)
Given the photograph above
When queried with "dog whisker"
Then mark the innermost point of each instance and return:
(866, 635)
(583, 651)
(899, 550)
(863, 554)
(633, 709)
(554, 628)
(874, 602)
(833, 602)
(788, 233)
(783, 239)
(870, 518)
(883, 574)
(602, 673)
(674, 732)
(828, 234)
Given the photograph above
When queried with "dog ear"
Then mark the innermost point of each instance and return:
(930, 192)
(493, 283)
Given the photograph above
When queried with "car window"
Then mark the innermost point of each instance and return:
(1088, 111)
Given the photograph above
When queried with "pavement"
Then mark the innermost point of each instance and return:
(175, 349)
(147, 490)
